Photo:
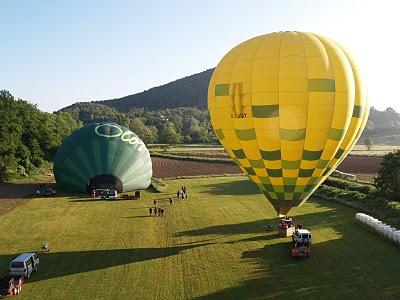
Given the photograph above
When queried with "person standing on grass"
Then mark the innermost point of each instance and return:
(150, 210)
(186, 195)
(155, 202)
(162, 212)
(171, 202)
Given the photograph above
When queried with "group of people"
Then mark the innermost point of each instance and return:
(182, 193)
(156, 211)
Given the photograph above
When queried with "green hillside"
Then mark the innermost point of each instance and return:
(190, 91)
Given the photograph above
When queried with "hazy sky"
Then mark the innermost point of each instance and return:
(54, 53)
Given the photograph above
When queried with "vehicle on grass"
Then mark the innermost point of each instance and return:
(131, 197)
(106, 194)
(301, 235)
(301, 243)
(11, 285)
(286, 227)
(49, 192)
(24, 264)
(301, 250)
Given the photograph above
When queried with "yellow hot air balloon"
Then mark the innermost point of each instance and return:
(287, 107)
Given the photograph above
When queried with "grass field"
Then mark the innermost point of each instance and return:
(376, 150)
(213, 246)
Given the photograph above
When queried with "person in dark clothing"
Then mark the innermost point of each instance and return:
(150, 210)
(155, 202)
(171, 202)
(162, 212)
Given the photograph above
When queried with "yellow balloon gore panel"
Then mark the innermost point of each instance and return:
(288, 107)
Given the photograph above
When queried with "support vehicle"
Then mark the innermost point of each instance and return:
(24, 264)
(301, 243)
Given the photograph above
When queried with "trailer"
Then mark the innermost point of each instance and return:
(301, 250)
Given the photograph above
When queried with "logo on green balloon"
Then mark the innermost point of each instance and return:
(113, 131)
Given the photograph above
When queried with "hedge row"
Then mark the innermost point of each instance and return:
(349, 185)
(370, 203)
(193, 158)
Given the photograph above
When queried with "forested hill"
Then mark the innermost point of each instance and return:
(190, 91)
(184, 101)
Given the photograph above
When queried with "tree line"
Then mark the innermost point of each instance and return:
(170, 126)
(29, 136)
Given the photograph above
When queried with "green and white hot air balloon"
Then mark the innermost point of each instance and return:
(103, 155)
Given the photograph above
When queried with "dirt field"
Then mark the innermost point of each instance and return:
(360, 164)
(165, 167)
(12, 195)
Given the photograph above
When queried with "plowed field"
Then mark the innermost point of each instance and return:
(166, 167)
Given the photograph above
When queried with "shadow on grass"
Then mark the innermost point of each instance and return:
(259, 226)
(330, 218)
(237, 187)
(352, 263)
(139, 217)
(336, 270)
(59, 264)
(20, 190)
(102, 200)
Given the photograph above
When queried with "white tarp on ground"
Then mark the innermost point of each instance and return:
(384, 229)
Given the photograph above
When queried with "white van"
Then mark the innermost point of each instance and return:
(24, 264)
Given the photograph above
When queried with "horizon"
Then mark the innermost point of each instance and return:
(60, 54)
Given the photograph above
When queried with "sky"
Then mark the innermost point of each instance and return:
(54, 53)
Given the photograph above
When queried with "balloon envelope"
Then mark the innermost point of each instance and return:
(287, 107)
(102, 155)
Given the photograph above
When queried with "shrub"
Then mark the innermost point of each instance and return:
(349, 185)
(387, 181)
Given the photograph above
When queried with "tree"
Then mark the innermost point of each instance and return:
(369, 143)
(147, 134)
(388, 180)
(28, 136)
(169, 135)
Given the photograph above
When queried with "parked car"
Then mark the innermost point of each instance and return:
(49, 192)
(108, 194)
(24, 264)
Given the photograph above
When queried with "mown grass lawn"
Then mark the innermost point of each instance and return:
(213, 246)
